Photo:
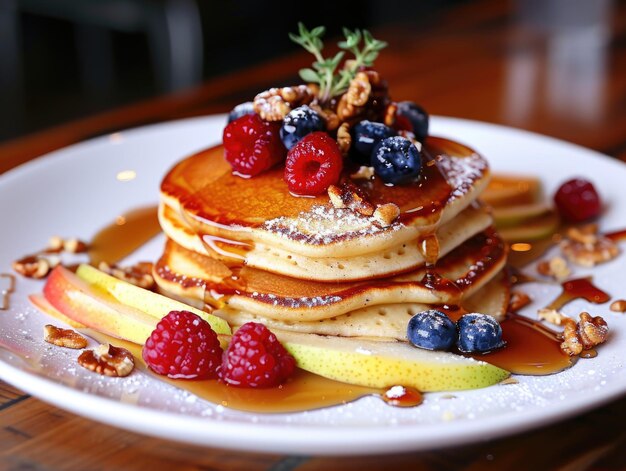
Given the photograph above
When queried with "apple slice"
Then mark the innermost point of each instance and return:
(384, 364)
(153, 304)
(95, 308)
(43, 305)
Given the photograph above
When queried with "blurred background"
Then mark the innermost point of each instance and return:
(531, 60)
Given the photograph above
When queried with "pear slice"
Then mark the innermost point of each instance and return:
(153, 304)
(533, 229)
(518, 214)
(384, 364)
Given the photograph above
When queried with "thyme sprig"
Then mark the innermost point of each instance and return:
(360, 43)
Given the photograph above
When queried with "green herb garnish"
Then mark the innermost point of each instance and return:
(324, 72)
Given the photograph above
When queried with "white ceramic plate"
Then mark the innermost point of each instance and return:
(74, 192)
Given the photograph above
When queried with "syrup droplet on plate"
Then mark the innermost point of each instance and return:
(576, 289)
(118, 240)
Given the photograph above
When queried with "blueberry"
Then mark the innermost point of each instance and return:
(479, 333)
(396, 160)
(298, 123)
(417, 116)
(240, 110)
(432, 330)
(365, 136)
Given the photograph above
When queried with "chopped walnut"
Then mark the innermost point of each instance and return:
(55, 244)
(592, 330)
(518, 300)
(571, 343)
(356, 97)
(32, 266)
(386, 214)
(390, 114)
(585, 334)
(139, 274)
(363, 173)
(618, 305)
(584, 246)
(74, 246)
(350, 196)
(411, 137)
(63, 337)
(329, 116)
(275, 103)
(552, 316)
(556, 268)
(108, 360)
(344, 139)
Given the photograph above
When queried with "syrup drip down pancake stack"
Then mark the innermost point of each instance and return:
(249, 250)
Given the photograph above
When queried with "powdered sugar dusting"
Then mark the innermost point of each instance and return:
(323, 225)
(461, 173)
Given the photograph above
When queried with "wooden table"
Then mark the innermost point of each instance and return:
(502, 62)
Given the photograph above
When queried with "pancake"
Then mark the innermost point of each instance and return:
(394, 260)
(383, 322)
(188, 274)
(216, 203)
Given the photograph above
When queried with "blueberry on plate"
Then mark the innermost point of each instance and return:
(298, 123)
(416, 115)
(240, 110)
(397, 160)
(365, 136)
(479, 333)
(431, 330)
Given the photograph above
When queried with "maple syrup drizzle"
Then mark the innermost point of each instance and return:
(129, 232)
(576, 289)
(302, 391)
(531, 348)
(616, 236)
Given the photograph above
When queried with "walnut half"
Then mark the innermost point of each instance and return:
(63, 337)
(585, 334)
(108, 360)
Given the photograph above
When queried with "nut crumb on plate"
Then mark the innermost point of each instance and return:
(63, 337)
(618, 305)
(556, 268)
(584, 246)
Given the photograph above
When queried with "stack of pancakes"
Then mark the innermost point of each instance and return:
(251, 251)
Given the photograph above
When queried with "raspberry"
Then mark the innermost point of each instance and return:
(183, 345)
(252, 145)
(577, 200)
(313, 164)
(255, 359)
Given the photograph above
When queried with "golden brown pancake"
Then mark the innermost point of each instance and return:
(188, 274)
(216, 203)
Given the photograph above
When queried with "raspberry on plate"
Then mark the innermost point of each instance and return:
(256, 359)
(252, 145)
(313, 164)
(183, 346)
(577, 200)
